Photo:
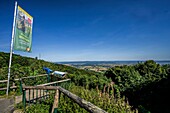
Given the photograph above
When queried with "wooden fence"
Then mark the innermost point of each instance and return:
(81, 102)
(17, 79)
(42, 89)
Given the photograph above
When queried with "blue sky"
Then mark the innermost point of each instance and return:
(88, 30)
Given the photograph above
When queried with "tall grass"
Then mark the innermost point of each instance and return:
(104, 99)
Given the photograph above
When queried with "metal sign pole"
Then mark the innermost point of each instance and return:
(10, 60)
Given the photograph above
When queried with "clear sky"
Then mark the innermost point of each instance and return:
(88, 30)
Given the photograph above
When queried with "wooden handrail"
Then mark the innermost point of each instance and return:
(2, 81)
(50, 83)
(40, 87)
(81, 102)
(12, 87)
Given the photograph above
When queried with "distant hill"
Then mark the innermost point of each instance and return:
(92, 63)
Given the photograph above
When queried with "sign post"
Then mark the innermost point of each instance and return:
(12, 40)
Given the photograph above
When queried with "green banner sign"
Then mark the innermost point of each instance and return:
(23, 31)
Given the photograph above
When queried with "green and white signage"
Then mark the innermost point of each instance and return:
(23, 31)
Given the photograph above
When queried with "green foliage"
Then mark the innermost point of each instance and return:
(141, 84)
(38, 108)
(124, 76)
(142, 109)
(24, 66)
(102, 99)
(150, 70)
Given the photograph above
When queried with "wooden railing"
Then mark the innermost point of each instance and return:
(14, 86)
(32, 94)
(17, 79)
(81, 102)
(53, 83)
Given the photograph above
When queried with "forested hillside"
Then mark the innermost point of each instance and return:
(24, 66)
(91, 86)
(146, 85)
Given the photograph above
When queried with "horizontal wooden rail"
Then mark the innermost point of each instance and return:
(2, 81)
(81, 102)
(12, 87)
(50, 83)
(40, 87)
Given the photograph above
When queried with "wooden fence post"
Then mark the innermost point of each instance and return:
(13, 84)
(20, 84)
(24, 98)
(56, 102)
